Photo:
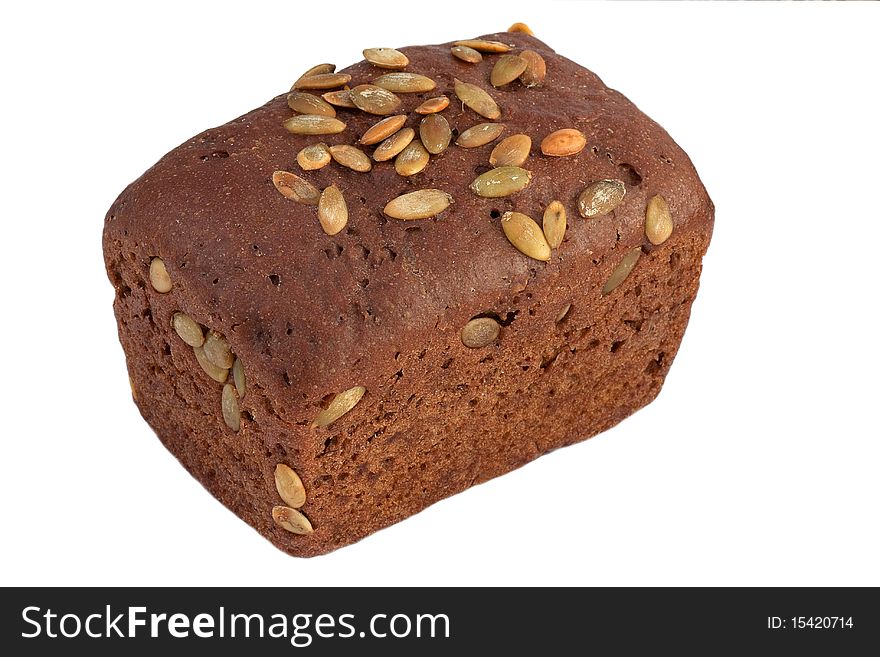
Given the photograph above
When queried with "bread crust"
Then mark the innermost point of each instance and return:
(382, 303)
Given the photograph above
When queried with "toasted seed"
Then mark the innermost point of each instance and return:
(189, 330)
(314, 156)
(563, 312)
(289, 486)
(352, 157)
(313, 124)
(521, 27)
(435, 133)
(386, 57)
(159, 278)
(217, 350)
(433, 105)
(480, 332)
(482, 45)
(525, 235)
(239, 378)
(412, 159)
(405, 83)
(511, 151)
(134, 392)
(420, 204)
(658, 220)
(507, 69)
(502, 181)
(322, 81)
(480, 135)
(295, 188)
(305, 103)
(477, 99)
(291, 520)
(466, 54)
(536, 69)
(373, 99)
(622, 270)
(600, 197)
(219, 374)
(230, 407)
(393, 145)
(554, 224)
(341, 404)
(383, 129)
(561, 143)
(332, 210)
(339, 98)
(319, 69)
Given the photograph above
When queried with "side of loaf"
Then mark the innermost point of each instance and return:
(403, 279)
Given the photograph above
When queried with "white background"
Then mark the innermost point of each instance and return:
(758, 463)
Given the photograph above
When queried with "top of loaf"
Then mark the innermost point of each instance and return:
(312, 314)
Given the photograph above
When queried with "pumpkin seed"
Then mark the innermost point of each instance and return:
(536, 69)
(466, 54)
(219, 374)
(217, 350)
(658, 220)
(189, 330)
(507, 69)
(352, 157)
(295, 188)
(600, 197)
(477, 99)
(339, 406)
(230, 407)
(332, 210)
(339, 98)
(420, 204)
(313, 124)
(408, 83)
(159, 278)
(313, 157)
(309, 104)
(373, 99)
(435, 133)
(433, 105)
(480, 135)
(322, 81)
(318, 69)
(291, 520)
(393, 145)
(483, 45)
(511, 151)
(554, 224)
(562, 143)
(383, 129)
(502, 181)
(622, 270)
(239, 378)
(479, 332)
(563, 313)
(386, 57)
(289, 486)
(412, 159)
(526, 235)
(521, 27)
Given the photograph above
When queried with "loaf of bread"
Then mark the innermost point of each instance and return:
(401, 280)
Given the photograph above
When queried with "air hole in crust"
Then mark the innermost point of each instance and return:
(629, 175)
(495, 213)
(617, 344)
(275, 279)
